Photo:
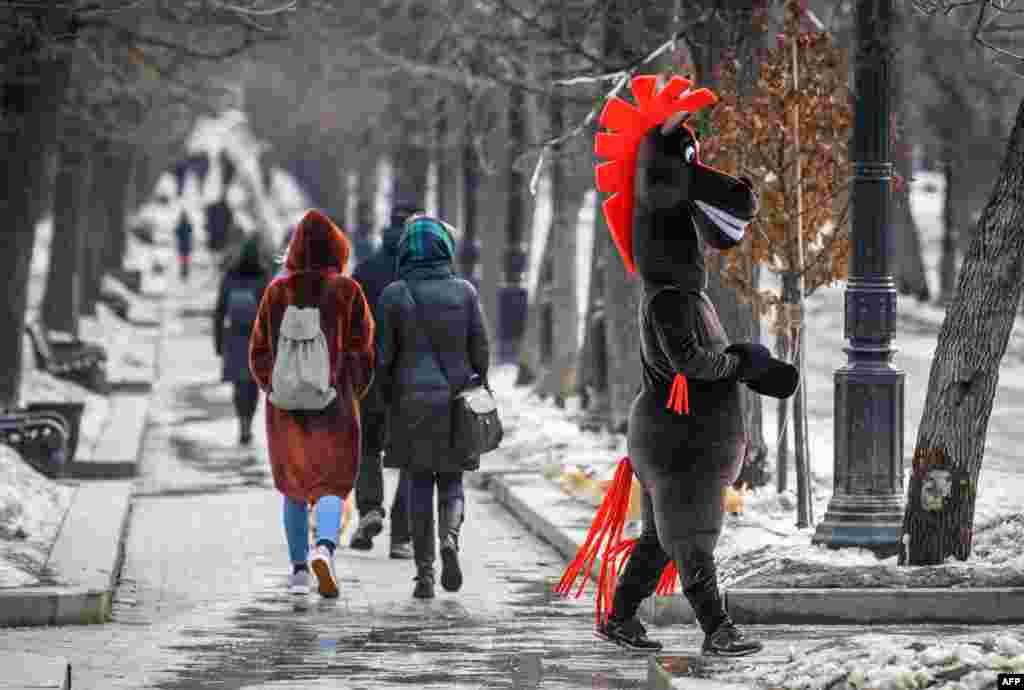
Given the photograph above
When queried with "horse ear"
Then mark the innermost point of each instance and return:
(674, 122)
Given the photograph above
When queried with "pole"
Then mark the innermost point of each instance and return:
(866, 508)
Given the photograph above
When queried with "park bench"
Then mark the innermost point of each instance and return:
(69, 358)
(39, 437)
(117, 303)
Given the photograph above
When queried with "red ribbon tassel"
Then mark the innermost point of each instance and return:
(605, 530)
(679, 397)
(667, 582)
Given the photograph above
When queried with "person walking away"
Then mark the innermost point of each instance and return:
(427, 315)
(374, 274)
(314, 448)
(241, 291)
(183, 234)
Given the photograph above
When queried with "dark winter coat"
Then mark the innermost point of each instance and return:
(316, 454)
(241, 292)
(416, 391)
(373, 275)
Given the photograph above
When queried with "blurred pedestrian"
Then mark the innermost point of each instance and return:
(375, 274)
(184, 236)
(238, 301)
(314, 452)
(431, 345)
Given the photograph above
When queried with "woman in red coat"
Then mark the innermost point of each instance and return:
(314, 455)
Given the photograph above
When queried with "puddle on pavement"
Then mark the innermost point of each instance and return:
(442, 643)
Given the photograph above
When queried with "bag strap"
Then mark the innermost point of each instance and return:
(423, 326)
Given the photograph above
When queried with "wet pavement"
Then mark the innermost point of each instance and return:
(202, 601)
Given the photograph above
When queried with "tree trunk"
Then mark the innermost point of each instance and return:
(115, 194)
(366, 187)
(532, 361)
(784, 405)
(621, 291)
(30, 97)
(908, 268)
(470, 176)
(560, 379)
(947, 266)
(965, 373)
(593, 379)
(512, 293)
(95, 233)
(410, 164)
(62, 299)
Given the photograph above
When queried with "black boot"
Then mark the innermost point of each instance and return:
(721, 636)
(450, 515)
(245, 431)
(424, 553)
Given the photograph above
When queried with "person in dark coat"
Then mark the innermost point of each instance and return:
(374, 274)
(183, 234)
(238, 301)
(430, 313)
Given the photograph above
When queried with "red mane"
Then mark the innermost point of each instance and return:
(626, 125)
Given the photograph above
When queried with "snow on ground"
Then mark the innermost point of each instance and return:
(32, 506)
(31, 510)
(883, 661)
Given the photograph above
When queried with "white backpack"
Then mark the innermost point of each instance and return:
(301, 379)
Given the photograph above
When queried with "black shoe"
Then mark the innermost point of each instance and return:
(630, 634)
(370, 525)
(424, 587)
(245, 438)
(727, 640)
(451, 573)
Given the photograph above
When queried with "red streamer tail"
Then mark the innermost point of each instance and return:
(605, 531)
(679, 396)
(667, 582)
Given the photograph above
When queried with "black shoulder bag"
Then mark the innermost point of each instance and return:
(476, 427)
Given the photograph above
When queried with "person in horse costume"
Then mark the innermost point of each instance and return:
(686, 435)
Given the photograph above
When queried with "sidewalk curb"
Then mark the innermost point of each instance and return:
(117, 451)
(34, 671)
(839, 606)
(87, 554)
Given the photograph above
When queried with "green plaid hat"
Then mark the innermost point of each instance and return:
(426, 239)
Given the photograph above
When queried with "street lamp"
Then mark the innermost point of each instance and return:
(866, 509)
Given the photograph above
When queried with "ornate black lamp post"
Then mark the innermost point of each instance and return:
(867, 507)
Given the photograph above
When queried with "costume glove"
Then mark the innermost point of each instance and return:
(763, 373)
(754, 359)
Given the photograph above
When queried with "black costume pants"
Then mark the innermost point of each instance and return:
(695, 562)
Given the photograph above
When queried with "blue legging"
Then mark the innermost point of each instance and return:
(296, 524)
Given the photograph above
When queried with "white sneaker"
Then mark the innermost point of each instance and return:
(298, 583)
(322, 564)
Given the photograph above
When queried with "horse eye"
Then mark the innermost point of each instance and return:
(690, 152)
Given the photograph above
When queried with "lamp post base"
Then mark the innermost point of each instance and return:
(869, 522)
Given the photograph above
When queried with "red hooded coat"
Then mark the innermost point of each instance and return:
(317, 454)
